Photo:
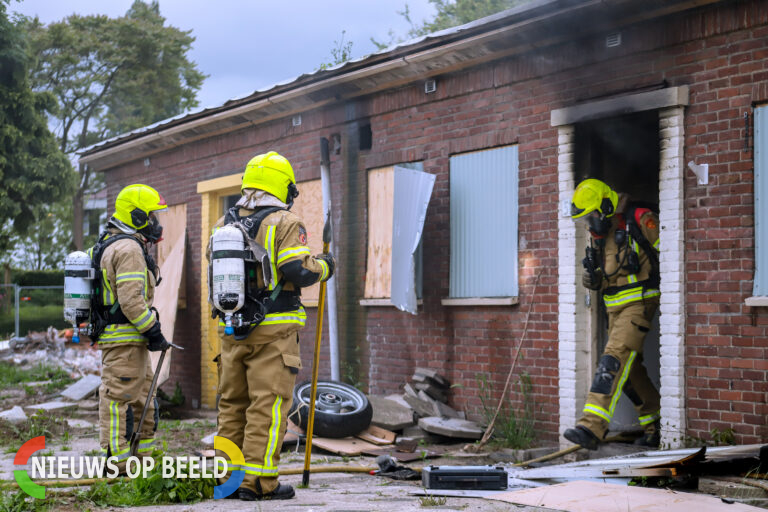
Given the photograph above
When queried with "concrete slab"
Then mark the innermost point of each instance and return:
(389, 414)
(56, 406)
(432, 374)
(452, 427)
(88, 405)
(14, 415)
(78, 423)
(208, 440)
(83, 388)
(432, 391)
(420, 407)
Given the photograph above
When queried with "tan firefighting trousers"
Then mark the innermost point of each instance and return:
(126, 376)
(620, 369)
(256, 385)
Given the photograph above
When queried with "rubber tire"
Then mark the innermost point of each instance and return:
(327, 423)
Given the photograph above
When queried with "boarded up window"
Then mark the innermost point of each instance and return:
(761, 201)
(483, 195)
(309, 207)
(381, 202)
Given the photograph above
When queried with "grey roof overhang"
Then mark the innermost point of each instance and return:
(535, 25)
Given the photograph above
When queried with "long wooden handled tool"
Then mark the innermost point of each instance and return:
(316, 360)
(136, 436)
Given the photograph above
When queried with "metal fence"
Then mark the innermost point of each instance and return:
(34, 308)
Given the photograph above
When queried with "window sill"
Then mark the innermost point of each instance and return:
(756, 301)
(383, 302)
(481, 301)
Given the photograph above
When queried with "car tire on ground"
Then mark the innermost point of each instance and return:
(341, 410)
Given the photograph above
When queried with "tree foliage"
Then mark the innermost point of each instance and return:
(33, 172)
(341, 52)
(449, 13)
(110, 76)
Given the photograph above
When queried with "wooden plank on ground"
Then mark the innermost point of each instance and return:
(344, 446)
(581, 496)
(377, 435)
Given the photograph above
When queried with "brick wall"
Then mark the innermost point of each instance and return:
(721, 52)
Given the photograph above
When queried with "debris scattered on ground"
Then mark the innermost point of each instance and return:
(78, 423)
(579, 496)
(389, 414)
(451, 427)
(14, 415)
(83, 388)
(55, 406)
(52, 348)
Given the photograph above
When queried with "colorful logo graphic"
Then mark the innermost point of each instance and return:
(22, 477)
(234, 458)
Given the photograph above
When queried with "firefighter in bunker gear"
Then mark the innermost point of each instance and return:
(128, 276)
(258, 364)
(626, 242)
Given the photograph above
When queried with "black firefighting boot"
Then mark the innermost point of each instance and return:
(582, 436)
(651, 437)
(281, 492)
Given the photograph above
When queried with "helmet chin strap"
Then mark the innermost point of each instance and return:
(293, 193)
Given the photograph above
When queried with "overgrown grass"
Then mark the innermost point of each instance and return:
(11, 375)
(153, 490)
(432, 501)
(40, 424)
(512, 428)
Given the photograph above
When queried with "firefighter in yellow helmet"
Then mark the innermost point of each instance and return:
(260, 359)
(125, 325)
(622, 264)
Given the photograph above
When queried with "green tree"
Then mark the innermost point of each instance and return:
(33, 171)
(110, 76)
(449, 13)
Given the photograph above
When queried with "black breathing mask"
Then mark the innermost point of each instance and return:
(599, 225)
(153, 231)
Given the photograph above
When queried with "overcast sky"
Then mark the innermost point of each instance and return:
(247, 45)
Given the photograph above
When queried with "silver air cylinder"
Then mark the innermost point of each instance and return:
(228, 252)
(78, 280)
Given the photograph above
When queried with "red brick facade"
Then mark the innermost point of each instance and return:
(721, 52)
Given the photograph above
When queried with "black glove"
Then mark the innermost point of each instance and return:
(328, 258)
(157, 341)
(592, 280)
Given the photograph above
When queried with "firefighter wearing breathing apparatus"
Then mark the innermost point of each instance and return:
(621, 263)
(259, 260)
(123, 320)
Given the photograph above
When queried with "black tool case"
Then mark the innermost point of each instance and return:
(488, 478)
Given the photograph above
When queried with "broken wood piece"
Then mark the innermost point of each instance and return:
(345, 446)
(377, 435)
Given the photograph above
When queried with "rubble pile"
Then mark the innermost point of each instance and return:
(54, 348)
(421, 413)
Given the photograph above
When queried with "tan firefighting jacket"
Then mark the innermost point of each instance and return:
(126, 279)
(284, 237)
(621, 286)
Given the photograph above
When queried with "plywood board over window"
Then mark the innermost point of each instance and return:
(309, 207)
(381, 185)
(170, 260)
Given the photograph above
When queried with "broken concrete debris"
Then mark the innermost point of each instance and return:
(14, 415)
(57, 406)
(83, 388)
(425, 396)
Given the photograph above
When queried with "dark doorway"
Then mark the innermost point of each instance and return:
(624, 152)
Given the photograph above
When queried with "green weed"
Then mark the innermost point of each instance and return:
(512, 428)
(153, 490)
(432, 501)
(41, 424)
